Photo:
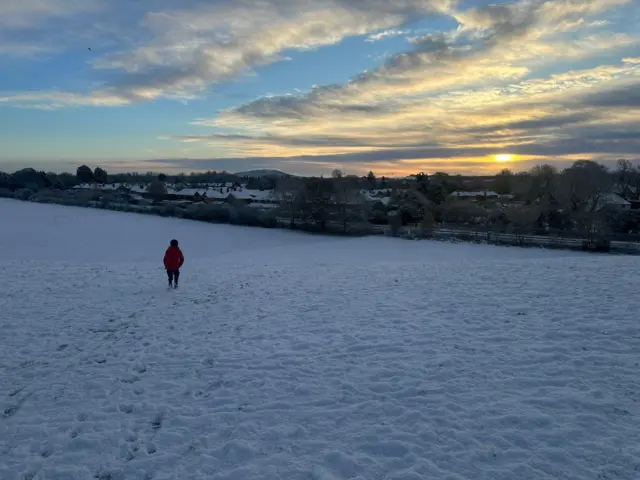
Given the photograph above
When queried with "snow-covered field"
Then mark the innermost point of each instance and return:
(289, 356)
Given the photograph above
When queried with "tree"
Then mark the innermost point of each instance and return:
(67, 180)
(411, 205)
(437, 194)
(162, 177)
(84, 174)
(428, 221)
(316, 201)
(503, 182)
(422, 183)
(584, 184)
(378, 213)
(522, 221)
(29, 178)
(371, 178)
(542, 188)
(464, 213)
(337, 173)
(348, 201)
(447, 182)
(288, 193)
(627, 179)
(157, 189)
(100, 175)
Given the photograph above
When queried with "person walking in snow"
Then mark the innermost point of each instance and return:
(173, 260)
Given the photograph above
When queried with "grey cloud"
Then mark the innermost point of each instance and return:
(317, 140)
(550, 121)
(292, 107)
(627, 96)
(604, 140)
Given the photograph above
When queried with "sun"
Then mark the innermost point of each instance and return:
(504, 157)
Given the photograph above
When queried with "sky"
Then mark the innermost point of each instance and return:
(306, 86)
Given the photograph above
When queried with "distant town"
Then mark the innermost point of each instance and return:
(585, 206)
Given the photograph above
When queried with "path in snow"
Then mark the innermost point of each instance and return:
(300, 357)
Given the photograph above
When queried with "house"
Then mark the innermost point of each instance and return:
(609, 201)
(627, 192)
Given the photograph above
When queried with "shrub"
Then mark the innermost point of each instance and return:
(207, 213)
(23, 194)
(395, 221)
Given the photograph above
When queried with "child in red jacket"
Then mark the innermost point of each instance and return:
(173, 260)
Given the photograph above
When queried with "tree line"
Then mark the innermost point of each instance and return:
(540, 200)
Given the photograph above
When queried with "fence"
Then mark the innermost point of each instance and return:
(631, 245)
(523, 240)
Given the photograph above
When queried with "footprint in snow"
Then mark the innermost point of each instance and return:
(9, 412)
(156, 423)
(46, 452)
(130, 379)
(139, 368)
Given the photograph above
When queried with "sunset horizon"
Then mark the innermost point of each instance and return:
(463, 87)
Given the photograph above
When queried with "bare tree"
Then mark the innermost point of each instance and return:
(543, 185)
(337, 173)
(316, 200)
(522, 221)
(585, 185)
(288, 193)
(503, 182)
(348, 201)
(627, 178)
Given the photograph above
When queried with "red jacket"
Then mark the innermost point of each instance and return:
(173, 258)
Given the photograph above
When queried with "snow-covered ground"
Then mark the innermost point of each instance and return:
(290, 356)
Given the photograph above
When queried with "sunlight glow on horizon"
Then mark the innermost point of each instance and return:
(505, 157)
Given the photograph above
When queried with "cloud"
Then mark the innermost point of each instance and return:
(392, 32)
(54, 100)
(537, 124)
(183, 52)
(537, 78)
(626, 96)
(493, 44)
(26, 14)
(554, 117)
(472, 91)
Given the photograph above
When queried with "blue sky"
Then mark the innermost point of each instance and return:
(311, 85)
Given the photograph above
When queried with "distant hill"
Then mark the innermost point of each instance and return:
(263, 173)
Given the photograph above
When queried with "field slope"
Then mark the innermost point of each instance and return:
(291, 356)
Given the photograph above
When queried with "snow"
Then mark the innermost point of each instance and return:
(475, 194)
(240, 193)
(286, 355)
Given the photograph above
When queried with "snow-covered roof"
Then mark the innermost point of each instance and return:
(607, 200)
(242, 194)
(615, 199)
(621, 188)
(111, 187)
(487, 193)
